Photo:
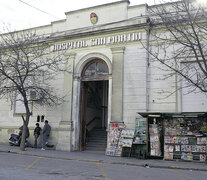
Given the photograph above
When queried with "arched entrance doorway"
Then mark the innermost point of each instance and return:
(94, 105)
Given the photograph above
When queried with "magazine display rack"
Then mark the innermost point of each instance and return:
(140, 140)
(184, 140)
(155, 144)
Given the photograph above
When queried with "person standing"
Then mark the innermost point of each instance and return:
(36, 134)
(46, 133)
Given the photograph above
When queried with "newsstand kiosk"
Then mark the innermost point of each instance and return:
(176, 136)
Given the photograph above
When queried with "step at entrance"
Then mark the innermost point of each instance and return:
(97, 140)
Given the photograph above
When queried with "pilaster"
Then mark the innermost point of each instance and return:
(117, 84)
(66, 123)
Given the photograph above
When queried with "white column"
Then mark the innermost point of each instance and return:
(109, 100)
(117, 85)
(66, 123)
(76, 113)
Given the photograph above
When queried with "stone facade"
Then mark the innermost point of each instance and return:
(132, 84)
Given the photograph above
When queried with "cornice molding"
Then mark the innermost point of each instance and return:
(126, 25)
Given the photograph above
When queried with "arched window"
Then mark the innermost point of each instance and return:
(95, 70)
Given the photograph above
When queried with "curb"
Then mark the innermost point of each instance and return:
(107, 162)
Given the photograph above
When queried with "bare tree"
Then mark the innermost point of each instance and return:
(178, 40)
(26, 69)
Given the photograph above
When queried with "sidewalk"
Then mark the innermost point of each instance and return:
(100, 157)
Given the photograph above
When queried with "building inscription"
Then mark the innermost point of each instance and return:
(97, 41)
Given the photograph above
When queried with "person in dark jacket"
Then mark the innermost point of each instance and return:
(36, 134)
(46, 133)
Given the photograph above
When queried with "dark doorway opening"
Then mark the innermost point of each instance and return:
(94, 115)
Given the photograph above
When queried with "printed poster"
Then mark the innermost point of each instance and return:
(187, 156)
(202, 157)
(177, 147)
(168, 155)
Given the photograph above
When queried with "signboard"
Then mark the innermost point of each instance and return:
(98, 41)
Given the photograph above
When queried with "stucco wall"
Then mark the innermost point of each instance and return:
(134, 83)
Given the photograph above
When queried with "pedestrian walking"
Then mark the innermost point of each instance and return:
(46, 133)
(36, 134)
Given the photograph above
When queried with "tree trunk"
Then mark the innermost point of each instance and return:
(23, 137)
(25, 126)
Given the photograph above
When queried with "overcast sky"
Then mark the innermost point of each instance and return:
(20, 15)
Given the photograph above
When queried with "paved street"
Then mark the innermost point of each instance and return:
(24, 167)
